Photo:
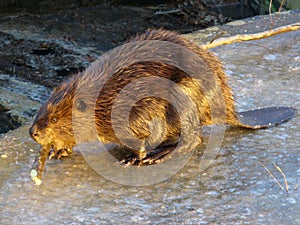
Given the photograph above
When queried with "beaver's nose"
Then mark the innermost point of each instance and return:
(34, 132)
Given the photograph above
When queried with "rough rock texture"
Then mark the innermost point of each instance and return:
(235, 189)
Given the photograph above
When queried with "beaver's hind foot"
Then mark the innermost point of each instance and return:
(151, 157)
(58, 153)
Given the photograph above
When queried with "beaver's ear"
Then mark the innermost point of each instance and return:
(80, 105)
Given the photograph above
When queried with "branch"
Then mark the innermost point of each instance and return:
(250, 37)
(284, 177)
(274, 178)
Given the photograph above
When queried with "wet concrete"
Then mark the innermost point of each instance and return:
(234, 189)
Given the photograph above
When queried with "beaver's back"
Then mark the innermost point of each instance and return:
(216, 98)
(215, 68)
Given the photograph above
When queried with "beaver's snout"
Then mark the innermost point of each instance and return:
(34, 133)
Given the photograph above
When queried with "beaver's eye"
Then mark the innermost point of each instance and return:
(54, 120)
(80, 105)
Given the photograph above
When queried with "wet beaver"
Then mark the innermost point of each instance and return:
(165, 106)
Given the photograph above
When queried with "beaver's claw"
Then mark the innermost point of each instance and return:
(54, 153)
(152, 157)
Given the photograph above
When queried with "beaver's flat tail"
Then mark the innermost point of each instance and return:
(265, 117)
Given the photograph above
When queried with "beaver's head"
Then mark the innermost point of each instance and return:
(52, 124)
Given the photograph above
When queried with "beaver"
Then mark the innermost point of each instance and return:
(166, 105)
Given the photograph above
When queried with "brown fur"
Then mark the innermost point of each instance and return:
(53, 122)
